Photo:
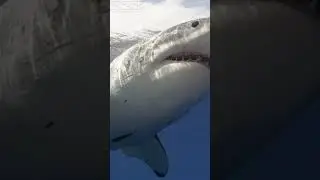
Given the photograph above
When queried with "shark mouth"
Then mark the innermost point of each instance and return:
(190, 57)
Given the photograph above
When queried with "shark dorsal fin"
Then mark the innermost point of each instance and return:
(152, 153)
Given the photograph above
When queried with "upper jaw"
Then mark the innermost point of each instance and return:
(178, 40)
(189, 49)
(190, 57)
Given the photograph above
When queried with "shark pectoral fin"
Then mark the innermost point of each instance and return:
(152, 153)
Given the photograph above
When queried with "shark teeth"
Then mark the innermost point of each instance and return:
(189, 57)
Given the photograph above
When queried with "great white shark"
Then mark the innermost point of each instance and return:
(259, 53)
(154, 83)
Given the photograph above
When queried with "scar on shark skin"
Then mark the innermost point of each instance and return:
(120, 138)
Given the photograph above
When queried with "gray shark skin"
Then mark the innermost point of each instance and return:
(265, 70)
(152, 84)
(52, 102)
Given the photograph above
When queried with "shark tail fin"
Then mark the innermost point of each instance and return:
(152, 153)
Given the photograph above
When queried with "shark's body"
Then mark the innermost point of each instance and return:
(155, 82)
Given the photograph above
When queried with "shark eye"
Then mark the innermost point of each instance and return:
(195, 24)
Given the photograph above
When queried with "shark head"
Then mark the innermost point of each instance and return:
(154, 83)
(184, 45)
(187, 42)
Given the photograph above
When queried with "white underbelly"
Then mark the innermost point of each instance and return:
(152, 101)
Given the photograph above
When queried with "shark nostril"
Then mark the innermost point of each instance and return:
(195, 24)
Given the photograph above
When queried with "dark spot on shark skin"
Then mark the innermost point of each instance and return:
(50, 124)
(125, 101)
(194, 24)
(120, 138)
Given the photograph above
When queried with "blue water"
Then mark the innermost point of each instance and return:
(188, 147)
(295, 155)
